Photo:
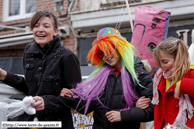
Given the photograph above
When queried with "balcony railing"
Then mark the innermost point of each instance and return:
(95, 5)
(116, 3)
(120, 2)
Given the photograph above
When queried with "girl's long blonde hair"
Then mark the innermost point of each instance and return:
(176, 48)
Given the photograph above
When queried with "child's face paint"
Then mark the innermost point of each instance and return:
(167, 63)
(112, 60)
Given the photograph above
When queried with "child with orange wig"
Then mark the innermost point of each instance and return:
(113, 89)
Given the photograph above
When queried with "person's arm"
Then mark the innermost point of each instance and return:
(71, 102)
(187, 84)
(3, 74)
(72, 76)
(136, 114)
(143, 102)
(16, 81)
(50, 103)
(72, 72)
(115, 116)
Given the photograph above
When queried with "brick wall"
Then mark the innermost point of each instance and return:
(69, 42)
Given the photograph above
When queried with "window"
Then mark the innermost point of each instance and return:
(18, 9)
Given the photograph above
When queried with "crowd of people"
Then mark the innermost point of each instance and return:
(120, 92)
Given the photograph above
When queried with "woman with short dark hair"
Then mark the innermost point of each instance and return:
(48, 67)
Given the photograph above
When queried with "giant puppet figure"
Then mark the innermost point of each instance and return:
(150, 28)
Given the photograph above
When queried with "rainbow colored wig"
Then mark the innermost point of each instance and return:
(109, 41)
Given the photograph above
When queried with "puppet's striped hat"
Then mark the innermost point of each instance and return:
(106, 32)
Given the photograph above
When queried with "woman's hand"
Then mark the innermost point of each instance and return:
(38, 104)
(3, 74)
(66, 92)
(143, 102)
(113, 116)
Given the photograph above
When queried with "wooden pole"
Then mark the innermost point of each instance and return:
(129, 13)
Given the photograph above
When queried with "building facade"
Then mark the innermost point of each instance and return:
(79, 21)
(95, 14)
(15, 16)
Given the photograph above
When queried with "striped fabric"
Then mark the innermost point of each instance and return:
(106, 32)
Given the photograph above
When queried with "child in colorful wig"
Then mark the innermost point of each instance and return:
(173, 89)
(113, 89)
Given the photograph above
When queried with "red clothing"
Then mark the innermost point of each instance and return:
(117, 71)
(167, 109)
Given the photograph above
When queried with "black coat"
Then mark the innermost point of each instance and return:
(47, 71)
(112, 99)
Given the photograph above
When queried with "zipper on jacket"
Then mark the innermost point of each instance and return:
(111, 97)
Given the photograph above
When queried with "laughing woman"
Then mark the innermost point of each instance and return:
(48, 67)
(113, 89)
